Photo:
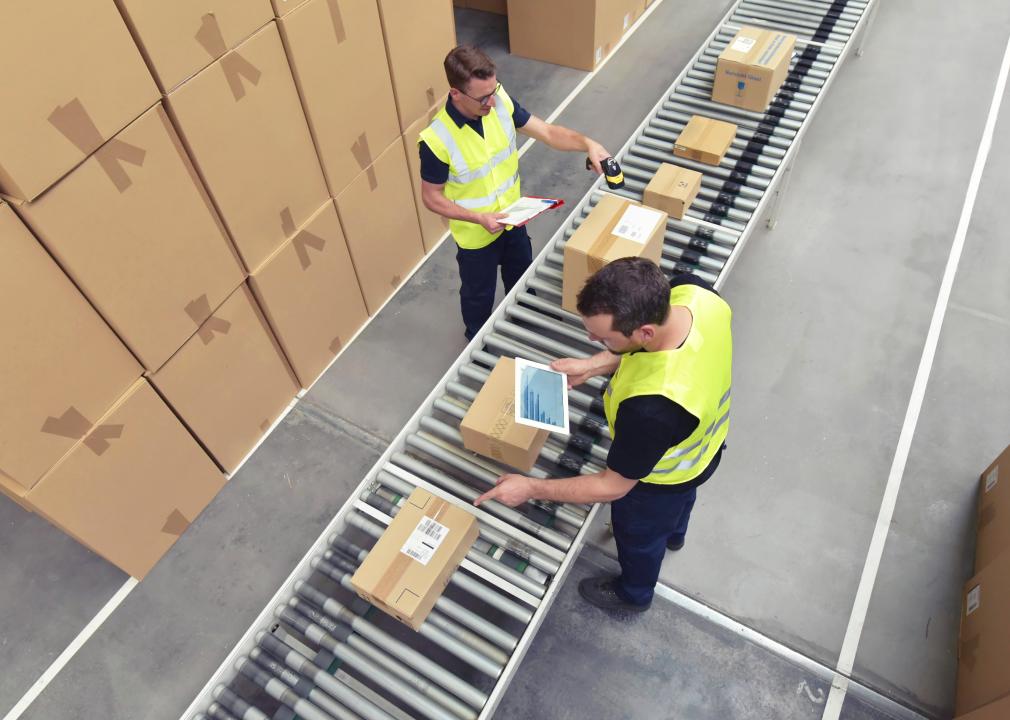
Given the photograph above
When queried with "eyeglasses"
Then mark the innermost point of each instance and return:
(483, 100)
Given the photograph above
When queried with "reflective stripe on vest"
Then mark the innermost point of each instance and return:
(696, 376)
(483, 171)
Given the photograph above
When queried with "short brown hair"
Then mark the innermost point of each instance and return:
(466, 62)
(634, 291)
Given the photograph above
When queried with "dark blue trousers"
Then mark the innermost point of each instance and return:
(643, 522)
(478, 273)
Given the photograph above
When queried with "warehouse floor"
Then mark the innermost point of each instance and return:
(832, 310)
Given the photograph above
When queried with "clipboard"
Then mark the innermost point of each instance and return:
(531, 206)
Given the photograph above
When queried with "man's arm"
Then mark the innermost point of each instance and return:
(434, 199)
(604, 486)
(579, 370)
(562, 138)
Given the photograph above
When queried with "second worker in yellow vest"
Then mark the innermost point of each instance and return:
(670, 350)
(470, 171)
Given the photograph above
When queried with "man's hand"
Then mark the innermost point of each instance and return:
(578, 370)
(597, 154)
(511, 490)
(490, 221)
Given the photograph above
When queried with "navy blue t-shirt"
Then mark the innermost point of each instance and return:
(434, 170)
(648, 425)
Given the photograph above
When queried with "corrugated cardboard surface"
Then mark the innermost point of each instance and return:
(433, 226)
(983, 660)
(283, 7)
(380, 224)
(399, 584)
(310, 295)
(705, 140)
(592, 28)
(230, 381)
(62, 367)
(242, 121)
(339, 64)
(135, 230)
(73, 78)
(998, 710)
(179, 39)
(419, 34)
(489, 427)
(132, 486)
(672, 189)
(749, 78)
(993, 512)
(594, 245)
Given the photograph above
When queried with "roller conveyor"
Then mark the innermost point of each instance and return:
(320, 653)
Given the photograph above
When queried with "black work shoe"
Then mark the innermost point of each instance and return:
(675, 545)
(602, 592)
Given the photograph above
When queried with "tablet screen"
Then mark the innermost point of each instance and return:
(541, 396)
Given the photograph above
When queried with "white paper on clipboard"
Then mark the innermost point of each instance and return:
(525, 209)
(541, 396)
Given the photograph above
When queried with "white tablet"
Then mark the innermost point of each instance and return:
(541, 396)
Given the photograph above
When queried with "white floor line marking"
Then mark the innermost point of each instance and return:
(53, 670)
(96, 622)
(854, 631)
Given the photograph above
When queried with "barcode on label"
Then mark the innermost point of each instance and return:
(424, 540)
(974, 599)
(623, 229)
(414, 553)
(991, 478)
(432, 528)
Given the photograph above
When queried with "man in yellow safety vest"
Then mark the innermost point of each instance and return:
(670, 348)
(470, 172)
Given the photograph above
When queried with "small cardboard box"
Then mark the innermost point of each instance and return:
(752, 67)
(672, 190)
(380, 223)
(489, 427)
(704, 140)
(410, 565)
(310, 295)
(433, 226)
(132, 485)
(993, 512)
(242, 121)
(339, 64)
(418, 34)
(230, 381)
(616, 228)
(998, 710)
(181, 38)
(73, 78)
(983, 657)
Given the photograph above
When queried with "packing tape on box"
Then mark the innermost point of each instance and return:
(302, 240)
(207, 324)
(338, 20)
(602, 245)
(73, 425)
(75, 124)
(336, 344)
(402, 561)
(987, 515)
(430, 94)
(235, 66)
(175, 524)
(501, 424)
(363, 156)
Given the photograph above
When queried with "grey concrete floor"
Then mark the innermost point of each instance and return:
(831, 311)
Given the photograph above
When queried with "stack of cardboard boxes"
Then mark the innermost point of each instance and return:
(983, 672)
(202, 207)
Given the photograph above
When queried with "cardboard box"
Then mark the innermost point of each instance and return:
(433, 226)
(380, 224)
(283, 7)
(62, 367)
(592, 28)
(489, 427)
(672, 189)
(310, 295)
(134, 228)
(752, 67)
(704, 140)
(339, 64)
(132, 485)
(418, 34)
(230, 381)
(243, 124)
(73, 78)
(993, 512)
(604, 236)
(998, 710)
(410, 565)
(179, 39)
(983, 658)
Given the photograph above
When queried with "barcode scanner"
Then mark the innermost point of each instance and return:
(611, 171)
